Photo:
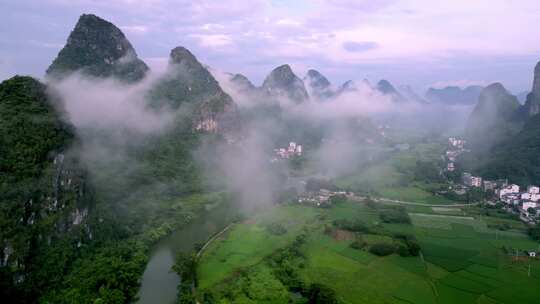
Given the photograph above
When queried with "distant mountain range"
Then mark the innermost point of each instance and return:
(283, 83)
(453, 95)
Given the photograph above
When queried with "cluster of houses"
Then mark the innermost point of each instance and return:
(527, 203)
(456, 146)
(319, 198)
(293, 149)
(510, 194)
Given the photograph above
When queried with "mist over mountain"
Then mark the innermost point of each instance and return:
(243, 82)
(522, 96)
(506, 135)
(283, 83)
(453, 95)
(98, 48)
(188, 83)
(494, 117)
(318, 85)
(108, 157)
(387, 89)
(410, 95)
(44, 193)
(532, 103)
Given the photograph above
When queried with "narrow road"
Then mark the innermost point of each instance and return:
(212, 239)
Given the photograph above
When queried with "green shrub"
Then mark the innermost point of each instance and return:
(354, 226)
(403, 250)
(382, 249)
(395, 215)
(534, 232)
(321, 294)
(358, 244)
(276, 229)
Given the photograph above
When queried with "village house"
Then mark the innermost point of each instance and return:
(528, 204)
(472, 181)
(533, 189)
(509, 189)
(286, 153)
(319, 198)
(511, 198)
(456, 142)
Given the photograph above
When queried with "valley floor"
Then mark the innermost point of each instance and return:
(461, 259)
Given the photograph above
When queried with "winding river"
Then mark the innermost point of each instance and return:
(159, 283)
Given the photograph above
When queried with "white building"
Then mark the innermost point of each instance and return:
(472, 181)
(450, 167)
(528, 204)
(291, 150)
(533, 189)
(512, 198)
(476, 181)
(456, 142)
(509, 189)
(292, 147)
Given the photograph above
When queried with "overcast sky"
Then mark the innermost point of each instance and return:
(417, 42)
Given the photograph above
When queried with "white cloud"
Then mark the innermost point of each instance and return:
(134, 29)
(213, 40)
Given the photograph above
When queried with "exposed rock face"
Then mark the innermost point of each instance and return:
(319, 87)
(41, 188)
(386, 88)
(532, 104)
(189, 84)
(283, 83)
(453, 95)
(494, 117)
(98, 48)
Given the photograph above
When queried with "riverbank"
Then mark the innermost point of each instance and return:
(158, 282)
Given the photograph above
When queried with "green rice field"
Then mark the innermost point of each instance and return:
(461, 260)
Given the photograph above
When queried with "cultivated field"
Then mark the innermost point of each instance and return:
(461, 261)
